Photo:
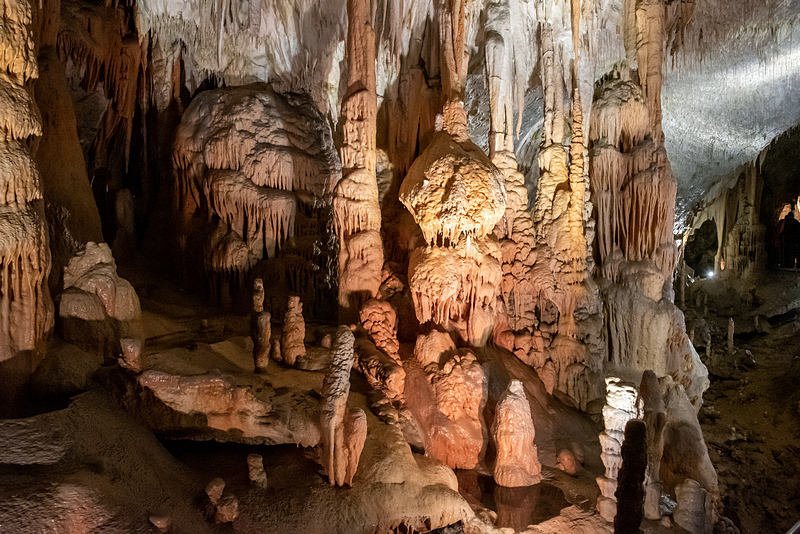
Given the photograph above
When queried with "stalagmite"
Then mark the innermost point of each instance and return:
(356, 207)
(131, 357)
(654, 416)
(255, 470)
(546, 252)
(381, 371)
(730, 336)
(380, 320)
(260, 328)
(98, 308)
(517, 462)
(294, 332)
(214, 490)
(455, 384)
(344, 429)
(630, 492)
(693, 510)
(621, 406)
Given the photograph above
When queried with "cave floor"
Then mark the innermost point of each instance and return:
(751, 411)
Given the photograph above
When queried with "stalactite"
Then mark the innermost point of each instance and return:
(632, 181)
(248, 157)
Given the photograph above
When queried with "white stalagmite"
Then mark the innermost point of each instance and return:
(344, 429)
(622, 405)
(355, 205)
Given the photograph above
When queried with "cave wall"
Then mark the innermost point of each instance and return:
(583, 161)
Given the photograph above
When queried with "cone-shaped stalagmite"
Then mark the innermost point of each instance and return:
(517, 462)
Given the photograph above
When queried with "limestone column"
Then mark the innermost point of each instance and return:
(26, 310)
(357, 213)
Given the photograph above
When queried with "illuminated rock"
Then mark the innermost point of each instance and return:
(344, 428)
(517, 462)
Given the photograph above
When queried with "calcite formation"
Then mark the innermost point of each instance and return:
(447, 396)
(98, 308)
(456, 195)
(26, 310)
(630, 483)
(621, 406)
(293, 333)
(381, 371)
(552, 307)
(735, 212)
(633, 186)
(357, 212)
(380, 320)
(654, 416)
(245, 158)
(344, 428)
(260, 327)
(517, 462)
(484, 181)
(233, 409)
(693, 510)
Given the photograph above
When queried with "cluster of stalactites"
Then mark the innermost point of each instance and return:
(632, 183)
(91, 37)
(745, 243)
(456, 195)
(242, 155)
(26, 311)
(456, 287)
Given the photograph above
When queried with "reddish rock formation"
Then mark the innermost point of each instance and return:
(344, 429)
(357, 212)
(293, 333)
(517, 462)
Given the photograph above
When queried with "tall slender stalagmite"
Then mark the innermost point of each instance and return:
(356, 208)
(26, 311)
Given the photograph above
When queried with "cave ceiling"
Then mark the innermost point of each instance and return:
(730, 76)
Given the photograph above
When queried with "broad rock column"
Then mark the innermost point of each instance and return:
(26, 310)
